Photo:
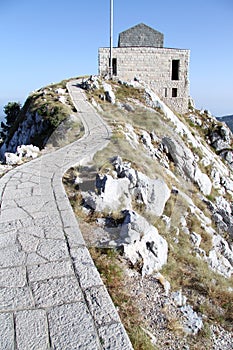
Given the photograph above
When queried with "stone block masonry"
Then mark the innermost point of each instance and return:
(153, 66)
(140, 35)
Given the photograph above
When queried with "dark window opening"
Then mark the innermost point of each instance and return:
(114, 66)
(175, 69)
(174, 92)
(165, 92)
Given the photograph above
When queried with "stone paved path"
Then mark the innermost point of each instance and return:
(51, 295)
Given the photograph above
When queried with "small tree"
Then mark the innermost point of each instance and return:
(11, 110)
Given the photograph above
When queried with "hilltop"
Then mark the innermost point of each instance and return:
(155, 207)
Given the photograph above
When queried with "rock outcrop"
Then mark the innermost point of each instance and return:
(186, 163)
(128, 185)
(142, 243)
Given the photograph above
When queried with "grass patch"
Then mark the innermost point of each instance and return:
(108, 264)
(191, 274)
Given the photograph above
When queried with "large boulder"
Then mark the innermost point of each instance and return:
(203, 181)
(112, 194)
(12, 159)
(109, 94)
(142, 243)
(186, 163)
(181, 155)
(28, 151)
(152, 193)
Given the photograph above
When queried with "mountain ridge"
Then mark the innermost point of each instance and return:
(181, 163)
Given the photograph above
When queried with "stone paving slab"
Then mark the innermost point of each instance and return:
(51, 295)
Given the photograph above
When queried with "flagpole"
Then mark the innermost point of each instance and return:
(111, 38)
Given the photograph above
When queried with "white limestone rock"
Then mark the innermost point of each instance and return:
(28, 151)
(154, 101)
(196, 239)
(227, 183)
(12, 159)
(112, 194)
(223, 206)
(219, 264)
(178, 298)
(192, 322)
(110, 96)
(142, 243)
(153, 193)
(4, 168)
(182, 157)
(131, 136)
(203, 181)
(186, 163)
(220, 258)
(146, 140)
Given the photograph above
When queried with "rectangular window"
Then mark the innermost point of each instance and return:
(114, 66)
(174, 92)
(165, 92)
(175, 69)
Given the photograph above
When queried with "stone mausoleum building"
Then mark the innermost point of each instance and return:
(140, 54)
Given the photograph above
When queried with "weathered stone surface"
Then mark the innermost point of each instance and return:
(142, 242)
(15, 298)
(28, 242)
(7, 239)
(129, 186)
(52, 249)
(6, 331)
(31, 330)
(46, 271)
(142, 36)
(110, 96)
(185, 161)
(85, 268)
(71, 327)
(220, 258)
(192, 322)
(74, 236)
(56, 291)
(100, 306)
(12, 256)
(181, 156)
(203, 182)
(12, 159)
(113, 336)
(13, 277)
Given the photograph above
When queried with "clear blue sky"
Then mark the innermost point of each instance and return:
(50, 40)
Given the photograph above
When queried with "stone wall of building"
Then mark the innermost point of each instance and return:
(141, 35)
(155, 67)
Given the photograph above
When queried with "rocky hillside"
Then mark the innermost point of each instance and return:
(161, 196)
(46, 118)
(155, 206)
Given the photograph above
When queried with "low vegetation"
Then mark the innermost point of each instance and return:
(111, 269)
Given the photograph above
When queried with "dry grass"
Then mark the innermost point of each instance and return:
(191, 274)
(110, 268)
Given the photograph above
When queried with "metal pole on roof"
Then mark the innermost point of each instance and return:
(111, 38)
